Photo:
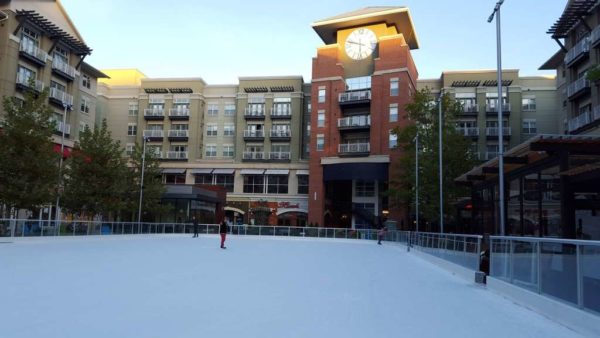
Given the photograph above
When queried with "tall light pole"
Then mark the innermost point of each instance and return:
(60, 162)
(440, 163)
(142, 181)
(500, 125)
(417, 179)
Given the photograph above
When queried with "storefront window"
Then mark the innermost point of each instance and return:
(550, 186)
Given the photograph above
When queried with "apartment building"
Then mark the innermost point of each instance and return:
(39, 43)
(245, 137)
(361, 80)
(528, 107)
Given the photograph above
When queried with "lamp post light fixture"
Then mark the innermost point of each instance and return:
(496, 12)
(60, 188)
(144, 140)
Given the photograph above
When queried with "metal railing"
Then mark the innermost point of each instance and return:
(283, 112)
(63, 67)
(468, 131)
(281, 133)
(493, 131)
(360, 95)
(34, 51)
(493, 108)
(577, 86)
(178, 133)
(154, 112)
(463, 250)
(153, 133)
(179, 112)
(354, 148)
(254, 133)
(253, 155)
(23, 80)
(580, 48)
(177, 155)
(581, 120)
(280, 155)
(354, 121)
(255, 112)
(61, 96)
(559, 268)
(470, 108)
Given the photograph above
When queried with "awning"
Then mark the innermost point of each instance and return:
(224, 171)
(301, 172)
(277, 172)
(173, 171)
(66, 151)
(252, 171)
(200, 171)
(356, 171)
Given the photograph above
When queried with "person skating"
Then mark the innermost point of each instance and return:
(380, 234)
(223, 229)
(195, 223)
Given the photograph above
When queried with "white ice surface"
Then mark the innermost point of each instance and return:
(179, 287)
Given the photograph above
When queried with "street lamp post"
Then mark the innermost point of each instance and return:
(499, 105)
(142, 182)
(60, 162)
(417, 179)
(440, 163)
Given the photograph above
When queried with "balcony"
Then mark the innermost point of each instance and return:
(179, 114)
(280, 135)
(468, 131)
(60, 98)
(60, 127)
(33, 54)
(63, 69)
(280, 156)
(281, 114)
(578, 88)
(490, 155)
(470, 109)
(178, 135)
(354, 149)
(154, 114)
(176, 156)
(493, 108)
(355, 122)
(253, 156)
(579, 52)
(254, 135)
(584, 120)
(359, 97)
(23, 83)
(492, 132)
(595, 37)
(254, 114)
(154, 135)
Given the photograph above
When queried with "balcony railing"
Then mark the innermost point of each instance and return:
(60, 96)
(581, 120)
(468, 131)
(279, 155)
(254, 113)
(490, 155)
(493, 108)
(580, 49)
(179, 112)
(253, 155)
(254, 133)
(281, 113)
(23, 80)
(66, 127)
(356, 96)
(470, 109)
(178, 133)
(577, 86)
(355, 121)
(281, 133)
(63, 68)
(153, 133)
(354, 148)
(154, 112)
(34, 52)
(493, 131)
(177, 155)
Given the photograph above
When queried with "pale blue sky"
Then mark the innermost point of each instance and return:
(220, 40)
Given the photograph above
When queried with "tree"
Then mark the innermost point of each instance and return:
(96, 174)
(153, 187)
(457, 158)
(28, 163)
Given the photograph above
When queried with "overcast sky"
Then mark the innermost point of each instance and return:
(225, 39)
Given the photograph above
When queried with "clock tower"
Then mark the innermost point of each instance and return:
(362, 78)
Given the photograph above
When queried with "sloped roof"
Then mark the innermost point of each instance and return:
(398, 16)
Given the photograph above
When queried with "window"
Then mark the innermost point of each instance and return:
(229, 130)
(277, 184)
(211, 130)
(129, 149)
(131, 129)
(82, 127)
(528, 104)
(84, 107)
(322, 93)
(320, 142)
(24, 75)
(321, 118)
(154, 150)
(206, 179)
(61, 55)
(358, 83)
(86, 81)
(213, 109)
(133, 108)
(254, 184)
(229, 109)
(225, 180)
(228, 150)
(393, 113)
(393, 140)
(529, 126)
(211, 150)
(394, 89)
(365, 188)
(174, 178)
(302, 184)
(309, 108)
(29, 37)
(57, 86)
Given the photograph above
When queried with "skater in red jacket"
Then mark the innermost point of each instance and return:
(223, 229)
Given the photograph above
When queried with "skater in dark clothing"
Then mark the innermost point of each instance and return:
(223, 229)
(195, 223)
(380, 234)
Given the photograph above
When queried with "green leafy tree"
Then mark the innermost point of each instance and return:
(423, 112)
(96, 174)
(153, 187)
(28, 164)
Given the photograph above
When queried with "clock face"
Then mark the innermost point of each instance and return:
(361, 43)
